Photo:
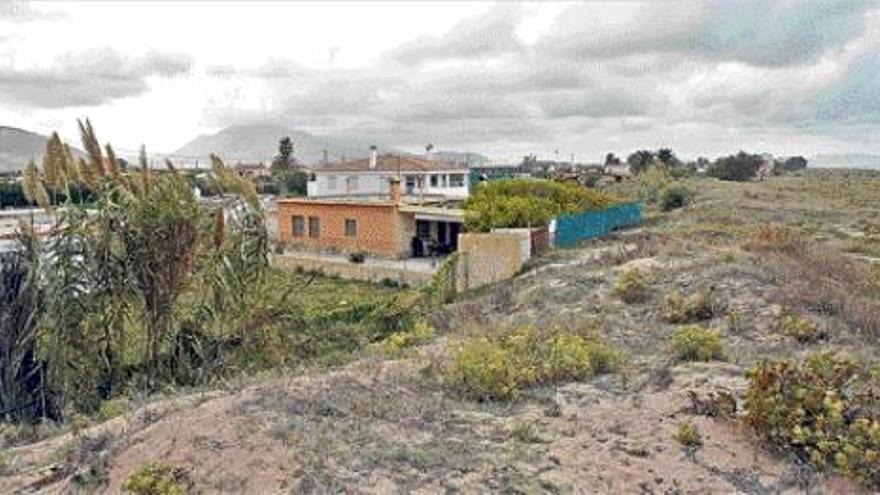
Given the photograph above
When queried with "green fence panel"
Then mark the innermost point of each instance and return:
(571, 229)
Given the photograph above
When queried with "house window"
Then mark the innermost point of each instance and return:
(314, 227)
(351, 227)
(352, 183)
(331, 182)
(435, 180)
(298, 226)
(456, 180)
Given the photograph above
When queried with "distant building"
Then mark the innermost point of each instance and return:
(618, 170)
(370, 176)
(385, 226)
(767, 166)
(252, 170)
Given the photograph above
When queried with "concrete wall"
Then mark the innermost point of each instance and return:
(489, 258)
(348, 270)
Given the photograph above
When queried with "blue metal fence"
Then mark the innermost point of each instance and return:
(571, 229)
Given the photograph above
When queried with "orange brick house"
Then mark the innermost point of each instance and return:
(382, 226)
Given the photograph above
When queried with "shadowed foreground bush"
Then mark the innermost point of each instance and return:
(498, 367)
(825, 409)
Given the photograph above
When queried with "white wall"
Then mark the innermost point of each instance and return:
(376, 183)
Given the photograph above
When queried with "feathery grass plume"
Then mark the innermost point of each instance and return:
(32, 186)
(115, 171)
(145, 170)
(111, 163)
(92, 146)
(87, 174)
(71, 170)
(219, 228)
(231, 182)
(171, 167)
(54, 164)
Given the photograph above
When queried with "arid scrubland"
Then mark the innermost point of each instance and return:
(726, 346)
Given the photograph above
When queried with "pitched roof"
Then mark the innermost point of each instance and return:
(392, 163)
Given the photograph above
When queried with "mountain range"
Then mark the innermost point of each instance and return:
(239, 143)
(259, 143)
(18, 146)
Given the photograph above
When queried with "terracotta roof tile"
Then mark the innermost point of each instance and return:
(392, 163)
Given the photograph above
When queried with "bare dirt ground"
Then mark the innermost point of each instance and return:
(383, 425)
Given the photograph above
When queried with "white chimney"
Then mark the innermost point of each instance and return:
(374, 155)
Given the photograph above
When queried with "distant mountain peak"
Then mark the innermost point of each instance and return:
(258, 142)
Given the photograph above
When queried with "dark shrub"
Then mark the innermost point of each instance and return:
(675, 196)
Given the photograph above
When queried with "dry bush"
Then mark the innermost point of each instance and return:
(631, 287)
(498, 367)
(803, 329)
(678, 308)
(818, 278)
(688, 435)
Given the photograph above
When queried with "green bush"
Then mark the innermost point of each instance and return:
(398, 342)
(677, 308)
(688, 435)
(499, 367)
(675, 196)
(825, 409)
(527, 203)
(631, 287)
(158, 479)
(696, 343)
(803, 329)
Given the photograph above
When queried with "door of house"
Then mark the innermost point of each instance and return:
(454, 230)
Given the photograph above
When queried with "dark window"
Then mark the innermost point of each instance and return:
(299, 226)
(456, 180)
(351, 227)
(423, 229)
(314, 226)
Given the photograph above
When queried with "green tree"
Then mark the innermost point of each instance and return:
(793, 164)
(739, 167)
(639, 161)
(284, 160)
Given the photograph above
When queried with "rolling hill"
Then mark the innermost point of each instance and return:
(17, 146)
(259, 143)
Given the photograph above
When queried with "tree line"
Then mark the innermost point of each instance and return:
(736, 167)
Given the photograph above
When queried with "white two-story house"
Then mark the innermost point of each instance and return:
(370, 177)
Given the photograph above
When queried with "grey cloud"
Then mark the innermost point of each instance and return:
(21, 11)
(758, 32)
(490, 34)
(855, 97)
(88, 78)
(678, 66)
(595, 103)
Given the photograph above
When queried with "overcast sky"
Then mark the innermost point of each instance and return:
(705, 78)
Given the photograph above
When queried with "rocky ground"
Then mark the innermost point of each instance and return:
(389, 425)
